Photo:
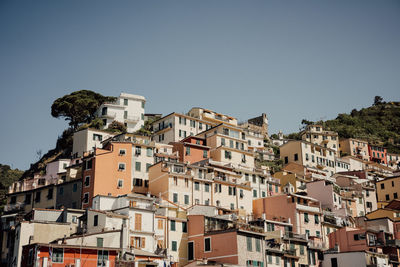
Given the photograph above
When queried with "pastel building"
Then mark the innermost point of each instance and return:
(354, 147)
(377, 154)
(393, 161)
(87, 140)
(228, 145)
(175, 127)
(388, 189)
(316, 134)
(304, 212)
(203, 184)
(209, 236)
(191, 149)
(309, 155)
(107, 171)
(211, 116)
(127, 109)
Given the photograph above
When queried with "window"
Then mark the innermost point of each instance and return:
(28, 198)
(143, 104)
(74, 219)
(149, 152)
(306, 217)
(184, 227)
(286, 160)
(74, 187)
(392, 183)
(307, 232)
(97, 137)
(205, 154)
(50, 193)
(37, 197)
(359, 237)
(254, 193)
(148, 167)
(138, 222)
(187, 150)
(207, 187)
(57, 255)
(99, 242)
(125, 102)
(125, 114)
(301, 250)
(318, 234)
(121, 166)
(222, 141)
(138, 166)
(61, 191)
(173, 226)
(316, 219)
(276, 189)
(334, 262)
(369, 204)
(228, 155)
(186, 200)
(258, 245)
(296, 157)
(249, 243)
(387, 197)
(395, 195)
(174, 246)
(86, 198)
(138, 151)
(122, 152)
(186, 182)
(175, 197)
(196, 186)
(382, 186)
(96, 220)
(207, 244)
(232, 206)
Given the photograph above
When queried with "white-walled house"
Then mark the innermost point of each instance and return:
(127, 109)
(87, 140)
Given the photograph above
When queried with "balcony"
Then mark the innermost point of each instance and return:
(14, 207)
(109, 115)
(307, 208)
(132, 119)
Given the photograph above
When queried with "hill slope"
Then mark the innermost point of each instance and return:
(379, 124)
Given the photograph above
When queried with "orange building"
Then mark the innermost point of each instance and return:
(191, 149)
(107, 171)
(67, 255)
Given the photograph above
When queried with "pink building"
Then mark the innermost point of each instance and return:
(302, 211)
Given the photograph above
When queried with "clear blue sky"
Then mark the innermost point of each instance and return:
(289, 59)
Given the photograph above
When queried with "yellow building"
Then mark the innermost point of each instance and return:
(316, 134)
(388, 189)
(354, 147)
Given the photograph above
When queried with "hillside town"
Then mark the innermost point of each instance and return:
(204, 189)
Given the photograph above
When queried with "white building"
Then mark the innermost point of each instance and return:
(127, 109)
(86, 140)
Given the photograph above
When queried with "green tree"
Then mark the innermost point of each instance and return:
(116, 127)
(79, 107)
(7, 177)
(378, 100)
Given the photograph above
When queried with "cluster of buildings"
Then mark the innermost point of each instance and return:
(198, 193)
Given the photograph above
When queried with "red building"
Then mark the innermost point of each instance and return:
(192, 149)
(377, 154)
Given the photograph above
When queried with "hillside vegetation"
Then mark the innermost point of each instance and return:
(7, 177)
(378, 124)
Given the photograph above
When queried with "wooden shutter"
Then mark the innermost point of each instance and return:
(160, 224)
(143, 243)
(132, 241)
(138, 222)
(132, 204)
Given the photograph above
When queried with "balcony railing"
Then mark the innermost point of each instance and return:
(307, 208)
(14, 207)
